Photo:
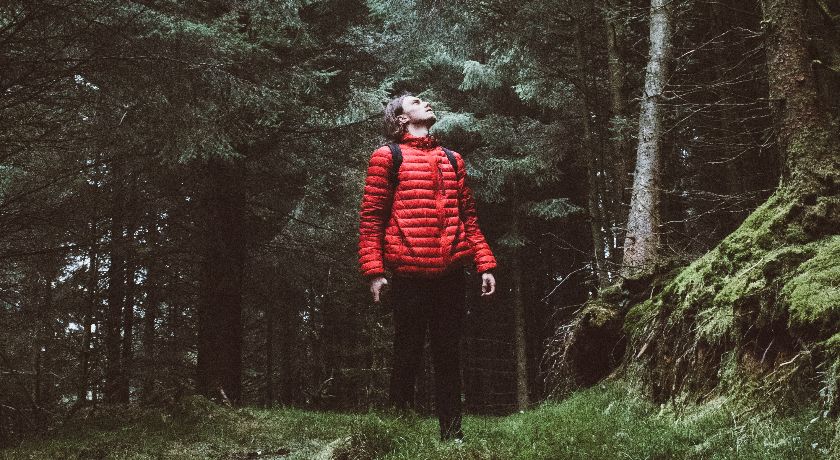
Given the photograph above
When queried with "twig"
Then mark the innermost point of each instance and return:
(563, 281)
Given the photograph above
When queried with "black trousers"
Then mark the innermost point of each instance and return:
(436, 305)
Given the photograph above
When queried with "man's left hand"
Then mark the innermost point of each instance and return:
(488, 284)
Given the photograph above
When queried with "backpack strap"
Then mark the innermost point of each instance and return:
(396, 157)
(451, 157)
(452, 160)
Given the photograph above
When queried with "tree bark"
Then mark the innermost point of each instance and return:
(116, 288)
(592, 153)
(151, 306)
(43, 392)
(615, 65)
(802, 126)
(622, 155)
(520, 337)
(129, 267)
(41, 338)
(127, 344)
(89, 309)
(641, 244)
(269, 354)
(220, 326)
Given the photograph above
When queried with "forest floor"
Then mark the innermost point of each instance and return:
(607, 421)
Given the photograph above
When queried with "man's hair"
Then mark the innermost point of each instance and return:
(392, 128)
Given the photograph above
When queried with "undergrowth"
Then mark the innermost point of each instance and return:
(755, 314)
(607, 421)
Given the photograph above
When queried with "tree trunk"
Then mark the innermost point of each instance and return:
(332, 339)
(41, 337)
(622, 155)
(220, 326)
(89, 309)
(592, 153)
(641, 244)
(522, 401)
(520, 337)
(269, 354)
(615, 65)
(127, 345)
(116, 289)
(802, 126)
(129, 290)
(151, 306)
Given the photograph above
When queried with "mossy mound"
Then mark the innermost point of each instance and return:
(199, 409)
(757, 313)
(370, 438)
(586, 349)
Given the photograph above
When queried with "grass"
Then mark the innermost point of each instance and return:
(607, 421)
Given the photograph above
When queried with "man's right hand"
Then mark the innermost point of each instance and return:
(376, 286)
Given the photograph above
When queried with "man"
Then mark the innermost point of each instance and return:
(419, 223)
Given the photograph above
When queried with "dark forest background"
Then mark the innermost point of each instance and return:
(180, 184)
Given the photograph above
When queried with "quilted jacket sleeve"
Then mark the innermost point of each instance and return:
(482, 255)
(376, 203)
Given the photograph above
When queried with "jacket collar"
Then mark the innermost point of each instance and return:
(427, 142)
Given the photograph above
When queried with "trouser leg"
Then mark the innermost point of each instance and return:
(409, 336)
(445, 329)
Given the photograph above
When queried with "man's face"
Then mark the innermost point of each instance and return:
(417, 111)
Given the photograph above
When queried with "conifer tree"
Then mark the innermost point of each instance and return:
(641, 246)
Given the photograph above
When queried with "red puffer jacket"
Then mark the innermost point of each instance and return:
(429, 229)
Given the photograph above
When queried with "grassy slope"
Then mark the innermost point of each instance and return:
(607, 421)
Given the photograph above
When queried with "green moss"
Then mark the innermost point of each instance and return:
(639, 316)
(822, 218)
(777, 270)
(832, 344)
(753, 287)
(597, 313)
(813, 292)
(373, 436)
(744, 284)
(728, 371)
(767, 246)
(612, 294)
(196, 409)
(835, 451)
(715, 324)
(760, 230)
(694, 285)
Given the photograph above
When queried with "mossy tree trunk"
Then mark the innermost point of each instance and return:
(810, 182)
(802, 126)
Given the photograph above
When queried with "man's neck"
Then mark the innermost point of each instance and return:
(417, 130)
